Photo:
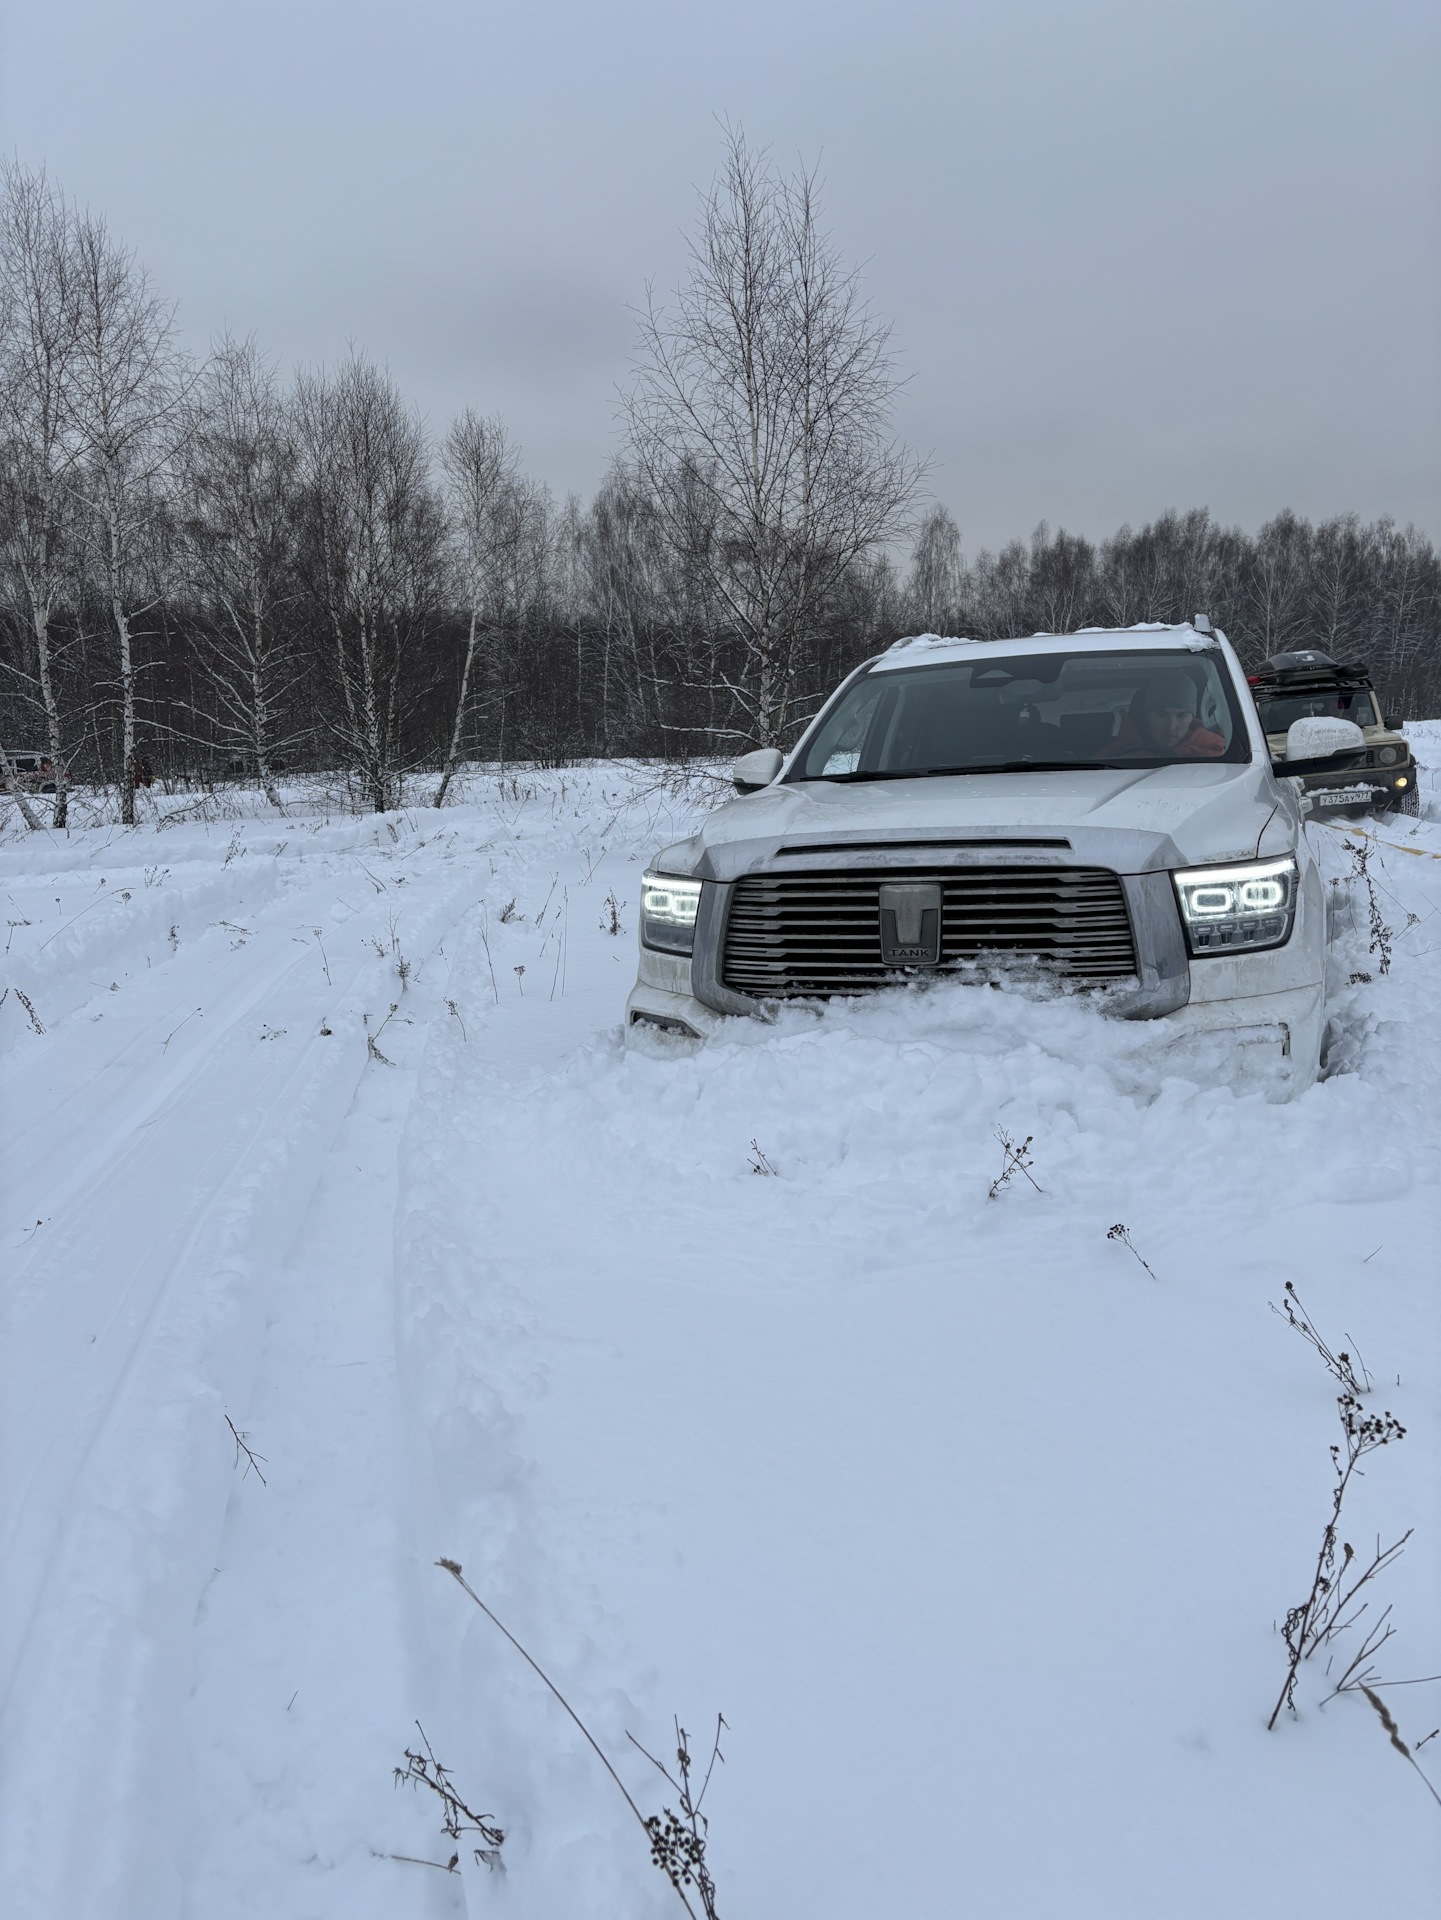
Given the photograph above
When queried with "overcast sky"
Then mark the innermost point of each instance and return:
(1137, 254)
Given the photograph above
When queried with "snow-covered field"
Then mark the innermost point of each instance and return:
(979, 1535)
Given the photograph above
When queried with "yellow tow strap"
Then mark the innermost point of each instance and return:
(1422, 853)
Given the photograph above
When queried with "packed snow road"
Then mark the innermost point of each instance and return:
(722, 1375)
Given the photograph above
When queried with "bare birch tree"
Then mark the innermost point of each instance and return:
(131, 415)
(933, 589)
(758, 416)
(39, 448)
(376, 540)
(239, 527)
(481, 467)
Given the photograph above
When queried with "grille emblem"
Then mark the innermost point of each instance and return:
(910, 924)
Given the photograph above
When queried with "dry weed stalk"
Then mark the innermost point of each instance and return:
(243, 1446)
(424, 1770)
(485, 942)
(677, 1844)
(1018, 1160)
(1340, 1366)
(1381, 934)
(1328, 1607)
(1332, 1606)
(1365, 1683)
(36, 1025)
(678, 1841)
(1122, 1233)
(370, 1038)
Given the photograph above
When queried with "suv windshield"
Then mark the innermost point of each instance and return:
(1279, 711)
(1029, 713)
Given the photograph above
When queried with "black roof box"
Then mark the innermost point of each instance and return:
(1309, 664)
(1306, 660)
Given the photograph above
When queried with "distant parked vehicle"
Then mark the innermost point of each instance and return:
(1308, 685)
(35, 771)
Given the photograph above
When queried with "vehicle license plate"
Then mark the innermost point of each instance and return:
(1341, 796)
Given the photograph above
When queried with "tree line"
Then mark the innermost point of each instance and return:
(208, 572)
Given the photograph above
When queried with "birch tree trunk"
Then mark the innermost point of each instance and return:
(131, 417)
(240, 539)
(259, 698)
(460, 707)
(39, 353)
(374, 546)
(128, 774)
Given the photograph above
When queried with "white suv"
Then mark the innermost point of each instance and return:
(1098, 807)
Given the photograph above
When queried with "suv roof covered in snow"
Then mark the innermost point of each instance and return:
(933, 647)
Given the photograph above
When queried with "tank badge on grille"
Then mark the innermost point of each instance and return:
(910, 925)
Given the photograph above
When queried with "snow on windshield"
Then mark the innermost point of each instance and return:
(1020, 711)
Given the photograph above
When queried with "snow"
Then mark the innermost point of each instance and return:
(942, 649)
(977, 1534)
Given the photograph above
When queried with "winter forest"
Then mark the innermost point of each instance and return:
(209, 571)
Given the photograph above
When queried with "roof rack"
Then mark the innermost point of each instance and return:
(1308, 667)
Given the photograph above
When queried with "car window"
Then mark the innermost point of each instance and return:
(1280, 711)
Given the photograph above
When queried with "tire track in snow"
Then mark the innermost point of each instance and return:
(307, 1641)
(125, 1490)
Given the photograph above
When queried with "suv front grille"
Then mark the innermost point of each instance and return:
(813, 934)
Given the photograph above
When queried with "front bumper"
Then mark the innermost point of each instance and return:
(1283, 1028)
(683, 995)
(1364, 790)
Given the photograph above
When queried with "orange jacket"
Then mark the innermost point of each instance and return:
(1199, 743)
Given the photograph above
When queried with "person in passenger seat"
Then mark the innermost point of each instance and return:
(1162, 720)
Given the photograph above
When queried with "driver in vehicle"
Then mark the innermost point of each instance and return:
(1162, 720)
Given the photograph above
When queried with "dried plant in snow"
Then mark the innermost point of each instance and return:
(370, 1038)
(243, 1446)
(1122, 1233)
(1018, 1160)
(1340, 1366)
(677, 1841)
(1329, 1607)
(424, 1770)
(1381, 934)
(36, 1024)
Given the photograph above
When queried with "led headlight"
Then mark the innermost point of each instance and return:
(1237, 909)
(667, 912)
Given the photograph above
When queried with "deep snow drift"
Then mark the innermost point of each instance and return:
(979, 1535)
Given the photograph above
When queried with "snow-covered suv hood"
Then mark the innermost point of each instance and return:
(1131, 821)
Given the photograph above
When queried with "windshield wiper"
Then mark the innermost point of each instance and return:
(1004, 766)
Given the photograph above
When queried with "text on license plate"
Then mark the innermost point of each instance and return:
(1341, 796)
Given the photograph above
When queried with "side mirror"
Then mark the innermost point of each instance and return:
(1321, 745)
(756, 770)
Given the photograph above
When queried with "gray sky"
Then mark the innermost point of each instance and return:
(1136, 254)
